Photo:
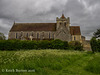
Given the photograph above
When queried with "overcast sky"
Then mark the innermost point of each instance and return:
(84, 13)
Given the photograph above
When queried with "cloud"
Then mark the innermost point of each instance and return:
(84, 13)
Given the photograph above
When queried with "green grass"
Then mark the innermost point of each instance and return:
(50, 62)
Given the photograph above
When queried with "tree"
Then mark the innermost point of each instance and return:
(97, 33)
(93, 43)
(2, 37)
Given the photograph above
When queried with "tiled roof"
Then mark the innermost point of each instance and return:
(34, 27)
(75, 30)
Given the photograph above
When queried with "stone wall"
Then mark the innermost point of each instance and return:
(86, 45)
(63, 36)
(34, 34)
(76, 38)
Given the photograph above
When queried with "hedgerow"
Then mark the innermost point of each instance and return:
(42, 44)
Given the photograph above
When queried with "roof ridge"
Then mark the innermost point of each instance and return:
(34, 27)
(31, 23)
(74, 26)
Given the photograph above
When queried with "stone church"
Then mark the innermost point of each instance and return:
(46, 31)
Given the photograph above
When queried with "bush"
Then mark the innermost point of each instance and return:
(66, 45)
(95, 45)
(43, 44)
(76, 45)
(57, 44)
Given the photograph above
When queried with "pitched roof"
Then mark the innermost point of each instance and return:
(34, 27)
(75, 30)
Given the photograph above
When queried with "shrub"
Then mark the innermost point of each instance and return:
(57, 44)
(76, 45)
(66, 45)
(94, 44)
(2, 44)
(43, 44)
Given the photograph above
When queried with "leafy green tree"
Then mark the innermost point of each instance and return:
(97, 33)
(2, 37)
(93, 43)
(99, 45)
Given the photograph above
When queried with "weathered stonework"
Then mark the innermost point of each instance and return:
(40, 31)
(76, 38)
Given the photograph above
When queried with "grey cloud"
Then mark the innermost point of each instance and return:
(84, 13)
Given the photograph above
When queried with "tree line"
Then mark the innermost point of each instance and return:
(45, 44)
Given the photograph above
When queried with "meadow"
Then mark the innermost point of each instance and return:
(49, 62)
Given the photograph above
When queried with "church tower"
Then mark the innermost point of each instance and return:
(62, 28)
(63, 21)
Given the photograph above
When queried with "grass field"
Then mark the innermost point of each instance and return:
(49, 62)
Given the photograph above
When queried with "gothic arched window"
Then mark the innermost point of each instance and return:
(53, 36)
(16, 35)
(49, 35)
(27, 35)
(37, 35)
(32, 33)
(74, 38)
(65, 24)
